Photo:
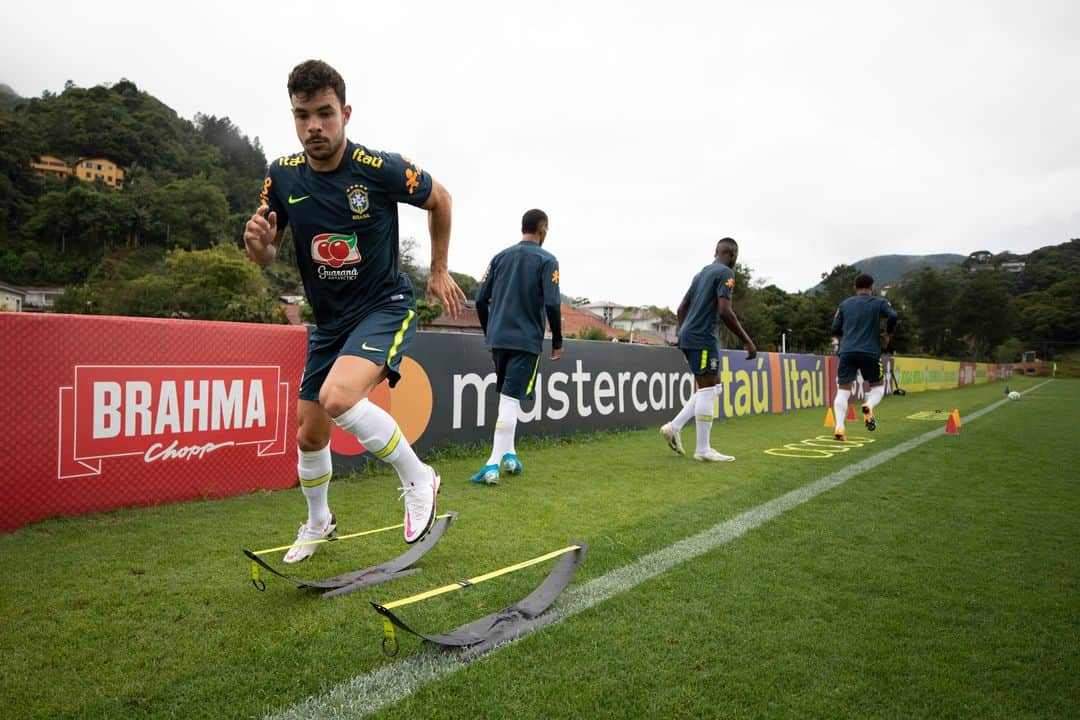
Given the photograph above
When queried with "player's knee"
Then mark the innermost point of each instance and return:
(307, 443)
(312, 436)
(336, 399)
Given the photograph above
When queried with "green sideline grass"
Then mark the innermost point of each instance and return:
(941, 584)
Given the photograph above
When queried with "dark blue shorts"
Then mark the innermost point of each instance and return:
(703, 362)
(382, 337)
(866, 363)
(515, 372)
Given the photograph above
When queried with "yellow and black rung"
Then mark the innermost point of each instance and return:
(501, 626)
(351, 581)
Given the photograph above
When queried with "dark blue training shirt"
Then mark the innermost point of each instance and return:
(858, 323)
(701, 326)
(520, 283)
(345, 228)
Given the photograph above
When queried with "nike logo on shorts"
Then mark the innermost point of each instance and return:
(365, 346)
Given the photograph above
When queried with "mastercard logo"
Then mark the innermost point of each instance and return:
(409, 403)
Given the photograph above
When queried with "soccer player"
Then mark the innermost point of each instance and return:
(858, 325)
(706, 303)
(518, 289)
(340, 199)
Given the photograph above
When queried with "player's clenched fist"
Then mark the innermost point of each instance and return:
(261, 235)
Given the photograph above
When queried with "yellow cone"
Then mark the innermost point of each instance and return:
(830, 421)
(956, 416)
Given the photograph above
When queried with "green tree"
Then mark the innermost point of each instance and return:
(928, 300)
(467, 283)
(591, 333)
(1050, 319)
(753, 314)
(427, 312)
(983, 314)
(192, 214)
(408, 265)
(218, 283)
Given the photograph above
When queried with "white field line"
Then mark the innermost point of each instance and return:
(365, 694)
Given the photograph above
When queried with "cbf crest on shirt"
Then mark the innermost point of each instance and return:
(344, 226)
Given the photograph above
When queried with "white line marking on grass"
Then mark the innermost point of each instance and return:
(365, 694)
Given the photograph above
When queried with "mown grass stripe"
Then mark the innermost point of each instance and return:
(368, 693)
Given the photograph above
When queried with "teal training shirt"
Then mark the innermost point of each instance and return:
(858, 323)
(518, 290)
(701, 326)
(345, 228)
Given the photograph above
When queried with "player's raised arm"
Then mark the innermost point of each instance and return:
(262, 238)
(441, 286)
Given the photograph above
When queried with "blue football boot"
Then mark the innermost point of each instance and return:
(488, 475)
(511, 465)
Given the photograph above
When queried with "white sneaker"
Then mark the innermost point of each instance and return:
(420, 506)
(673, 437)
(306, 541)
(711, 455)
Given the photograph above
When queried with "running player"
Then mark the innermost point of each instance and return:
(706, 303)
(340, 199)
(518, 289)
(858, 325)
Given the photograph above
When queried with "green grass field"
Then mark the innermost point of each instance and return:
(944, 582)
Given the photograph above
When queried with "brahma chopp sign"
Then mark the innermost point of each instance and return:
(106, 412)
(168, 412)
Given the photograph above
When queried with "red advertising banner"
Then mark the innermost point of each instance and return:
(107, 412)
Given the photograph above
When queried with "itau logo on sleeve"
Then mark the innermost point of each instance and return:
(166, 413)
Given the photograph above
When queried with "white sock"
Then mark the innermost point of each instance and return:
(704, 412)
(719, 390)
(314, 468)
(381, 436)
(877, 392)
(505, 427)
(839, 406)
(685, 414)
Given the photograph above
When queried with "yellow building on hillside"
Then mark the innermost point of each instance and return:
(50, 166)
(94, 169)
(88, 170)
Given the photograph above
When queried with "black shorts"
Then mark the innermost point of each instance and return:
(866, 363)
(382, 337)
(515, 372)
(705, 361)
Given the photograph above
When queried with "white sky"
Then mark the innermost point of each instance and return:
(813, 133)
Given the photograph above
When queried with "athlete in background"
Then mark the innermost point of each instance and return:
(706, 303)
(858, 325)
(519, 288)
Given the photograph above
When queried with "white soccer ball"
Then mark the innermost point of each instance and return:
(1014, 395)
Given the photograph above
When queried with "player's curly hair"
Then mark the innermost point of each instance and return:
(864, 281)
(311, 76)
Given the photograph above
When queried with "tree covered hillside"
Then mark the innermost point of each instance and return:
(887, 269)
(189, 186)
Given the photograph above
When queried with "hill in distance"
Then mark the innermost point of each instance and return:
(8, 97)
(890, 268)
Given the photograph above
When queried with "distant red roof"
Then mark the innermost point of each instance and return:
(467, 321)
(574, 321)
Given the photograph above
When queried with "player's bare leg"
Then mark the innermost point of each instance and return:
(344, 396)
